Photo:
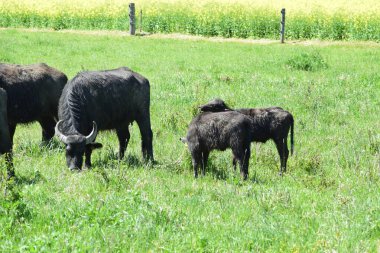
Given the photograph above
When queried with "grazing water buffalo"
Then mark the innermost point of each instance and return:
(221, 130)
(104, 100)
(28, 93)
(268, 123)
(33, 93)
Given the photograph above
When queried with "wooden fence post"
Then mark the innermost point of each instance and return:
(282, 31)
(132, 23)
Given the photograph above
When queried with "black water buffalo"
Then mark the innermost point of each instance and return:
(33, 93)
(268, 123)
(5, 139)
(104, 100)
(28, 93)
(220, 130)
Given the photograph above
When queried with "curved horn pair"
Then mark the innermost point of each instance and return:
(89, 138)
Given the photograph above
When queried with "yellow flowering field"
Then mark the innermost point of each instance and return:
(337, 19)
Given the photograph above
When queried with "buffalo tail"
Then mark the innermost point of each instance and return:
(292, 138)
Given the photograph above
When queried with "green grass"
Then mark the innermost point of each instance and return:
(329, 200)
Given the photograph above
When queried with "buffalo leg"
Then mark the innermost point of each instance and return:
(242, 156)
(9, 165)
(283, 151)
(234, 162)
(123, 135)
(9, 156)
(12, 129)
(197, 160)
(47, 125)
(147, 138)
(204, 162)
(88, 152)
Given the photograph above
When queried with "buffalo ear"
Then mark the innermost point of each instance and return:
(94, 145)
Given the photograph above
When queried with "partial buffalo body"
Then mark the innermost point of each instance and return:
(33, 93)
(28, 93)
(5, 139)
(221, 130)
(268, 123)
(103, 100)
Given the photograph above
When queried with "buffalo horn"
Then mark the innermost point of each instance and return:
(59, 134)
(91, 137)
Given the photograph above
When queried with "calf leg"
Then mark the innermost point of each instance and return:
(196, 157)
(283, 151)
(123, 135)
(47, 125)
(242, 156)
(204, 162)
(147, 137)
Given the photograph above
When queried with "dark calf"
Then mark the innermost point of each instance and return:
(221, 130)
(267, 123)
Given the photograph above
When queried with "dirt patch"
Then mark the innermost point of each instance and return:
(202, 38)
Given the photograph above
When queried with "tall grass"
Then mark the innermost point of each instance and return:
(342, 20)
(328, 201)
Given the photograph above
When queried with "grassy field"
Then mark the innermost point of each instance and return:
(337, 20)
(328, 201)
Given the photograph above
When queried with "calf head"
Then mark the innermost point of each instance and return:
(215, 105)
(76, 145)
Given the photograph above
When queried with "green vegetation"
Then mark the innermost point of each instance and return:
(307, 61)
(328, 201)
(320, 19)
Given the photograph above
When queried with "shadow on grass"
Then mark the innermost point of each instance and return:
(131, 161)
(24, 180)
(34, 179)
(217, 172)
(255, 179)
(101, 171)
(231, 174)
(13, 202)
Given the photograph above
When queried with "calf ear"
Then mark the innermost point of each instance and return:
(94, 145)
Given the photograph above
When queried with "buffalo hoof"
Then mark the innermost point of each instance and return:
(75, 169)
(11, 174)
(244, 175)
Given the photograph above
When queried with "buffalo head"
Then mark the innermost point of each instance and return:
(215, 105)
(76, 145)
